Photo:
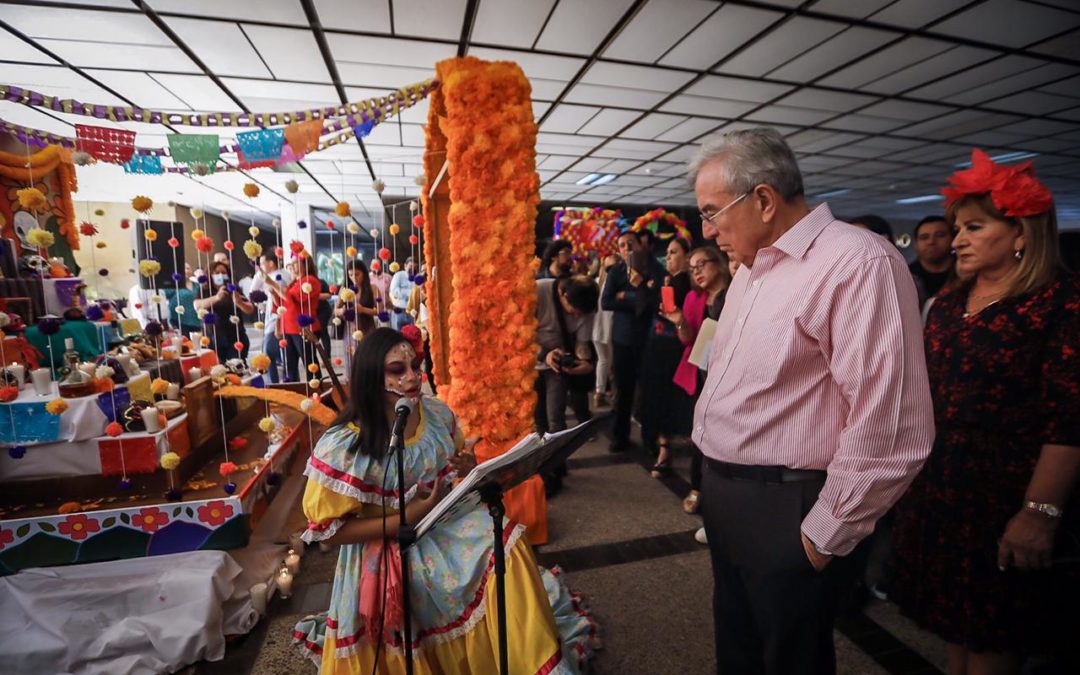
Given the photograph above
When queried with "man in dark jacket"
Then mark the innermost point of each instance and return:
(634, 297)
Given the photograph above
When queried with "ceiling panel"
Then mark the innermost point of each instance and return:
(865, 123)
(381, 76)
(941, 64)
(1067, 45)
(978, 76)
(823, 99)
(653, 125)
(536, 66)
(371, 16)
(275, 12)
(956, 124)
(868, 70)
(568, 118)
(429, 18)
(388, 51)
(609, 121)
(1033, 103)
(658, 26)
(515, 23)
(99, 55)
(640, 77)
(67, 24)
(57, 81)
(205, 38)
(689, 130)
(737, 89)
(720, 35)
(139, 88)
(601, 95)
(905, 110)
(197, 91)
(707, 107)
(578, 26)
(1051, 72)
(14, 49)
(785, 115)
(787, 41)
(917, 13)
(266, 96)
(1009, 22)
(847, 46)
(291, 54)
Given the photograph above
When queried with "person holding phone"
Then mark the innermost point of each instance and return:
(665, 410)
(224, 304)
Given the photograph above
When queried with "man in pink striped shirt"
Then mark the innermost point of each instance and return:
(816, 413)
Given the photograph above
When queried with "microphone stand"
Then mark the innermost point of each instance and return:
(491, 494)
(406, 534)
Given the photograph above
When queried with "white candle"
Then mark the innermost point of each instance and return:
(178, 343)
(194, 374)
(150, 419)
(173, 392)
(18, 371)
(258, 598)
(196, 340)
(42, 379)
(284, 583)
(292, 562)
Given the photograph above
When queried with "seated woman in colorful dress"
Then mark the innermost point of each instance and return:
(350, 500)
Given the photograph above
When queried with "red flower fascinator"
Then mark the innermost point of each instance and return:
(1015, 190)
(412, 334)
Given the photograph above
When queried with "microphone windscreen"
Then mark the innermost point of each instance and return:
(404, 405)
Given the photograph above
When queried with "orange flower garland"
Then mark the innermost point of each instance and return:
(486, 115)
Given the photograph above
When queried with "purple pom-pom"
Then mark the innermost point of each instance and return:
(257, 296)
(176, 276)
(154, 329)
(174, 495)
(278, 277)
(103, 272)
(152, 257)
(231, 288)
(209, 319)
(94, 313)
(273, 478)
(203, 279)
(125, 484)
(305, 320)
(301, 224)
(349, 315)
(419, 279)
(412, 278)
(384, 316)
(17, 451)
(379, 300)
(229, 488)
(49, 325)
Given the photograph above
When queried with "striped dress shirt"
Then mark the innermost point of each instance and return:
(818, 363)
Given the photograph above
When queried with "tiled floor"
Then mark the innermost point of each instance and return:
(624, 542)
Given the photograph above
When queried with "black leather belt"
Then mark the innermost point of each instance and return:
(763, 474)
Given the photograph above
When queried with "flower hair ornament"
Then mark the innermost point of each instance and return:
(415, 338)
(1015, 190)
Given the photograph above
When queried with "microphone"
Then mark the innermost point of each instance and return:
(402, 409)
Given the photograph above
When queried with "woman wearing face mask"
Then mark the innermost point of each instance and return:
(361, 312)
(350, 500)
(987, 539)
(301, 302)
(225, 302)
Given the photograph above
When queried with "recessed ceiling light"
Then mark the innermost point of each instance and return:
(834, 193)
(604, 179)
(1007, 157)
(920, 199)
(588, 180)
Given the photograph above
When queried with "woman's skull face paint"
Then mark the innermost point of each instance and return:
(402, 371)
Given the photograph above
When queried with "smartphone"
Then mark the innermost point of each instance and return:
(667, 299)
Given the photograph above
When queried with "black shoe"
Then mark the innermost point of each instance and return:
(618, 446)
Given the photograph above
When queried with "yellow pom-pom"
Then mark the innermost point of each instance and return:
(170, 460)
(357, 335)
(100, 244)
(314, 383)
(32, 199)
(204, 341)
(305, 287)
(259, 325)
(395, 267)
(40, 238)
(151, 235)
(374, 233)
(99, 212)
(251, 190)
(313, 367)
(159, 386)
(56, 406)
(253, 231)
(347, 295)
(260, 362)
(306, 405)
(252, 249)
(142, 204)
(343, 209)
(395, 229)
(196, 213)
(149, 268)
(350, 252)
(352, 227)
(266, 424)
(197, 234)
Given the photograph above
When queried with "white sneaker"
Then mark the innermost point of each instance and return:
(700, 537)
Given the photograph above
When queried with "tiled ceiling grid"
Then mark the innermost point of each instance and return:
(880, 98)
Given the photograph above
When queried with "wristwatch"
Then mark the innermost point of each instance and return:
(1048, 510)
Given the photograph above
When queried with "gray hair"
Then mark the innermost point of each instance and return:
(751, 157)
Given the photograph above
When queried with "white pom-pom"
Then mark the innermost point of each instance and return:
(104, 372)
(305, 287)
(281, 311)
(336, 321)
(307, 404)
(357, 334)
(413, 206)
(253, 231)
(352, 228)
(378, 186)
(276, 222)
(374, 233)
(234, 319)
(202, 312)
(259, 325)
(314, 383)
(420, 180)
(180, 310)
(196, 213)
(219, 372)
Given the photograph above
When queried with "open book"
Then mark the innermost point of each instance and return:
(525, 459)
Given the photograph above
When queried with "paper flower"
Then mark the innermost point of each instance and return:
(347, 295)
(349, 314)
(234, 319)
(225, 468)
(142, 204)
(87, 229)
(259, 325)
(17, 451)
(260, 362)
(306, 405)
(266, 424)
(228, 245)
(114, 429)
(296, 246)
(418, 220)
(314, 383)
(205, 244)
(291, 186)
(150, 235)
(159, 386)
(125, 224)
(413, 206)
(40, 238)
(357, 335)
(238, 443)
(374, 233)
(104, 372)
(229, 487)
(305, 320)
(218, 372)
(420, 180)
(149, 268)
(395, 229)
(94, 313)
(32, 199)
(252, 249)
(209, 319)
(301, 224)
(343, 209)
(313, 368)
(251, 190)
(329, 224)
(170, 460)
(201, 169)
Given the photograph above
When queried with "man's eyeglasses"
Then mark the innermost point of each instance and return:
(714, 216)
(701, 265)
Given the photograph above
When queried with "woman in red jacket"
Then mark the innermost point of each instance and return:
(300, 300)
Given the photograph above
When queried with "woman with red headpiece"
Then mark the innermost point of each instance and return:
(986, 537)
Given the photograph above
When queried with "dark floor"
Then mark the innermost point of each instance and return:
(624, 542)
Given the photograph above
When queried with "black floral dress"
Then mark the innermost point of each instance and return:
(1005, 382)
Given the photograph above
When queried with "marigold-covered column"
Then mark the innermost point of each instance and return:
(481, 267)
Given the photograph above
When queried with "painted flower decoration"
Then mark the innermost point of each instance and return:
(87, 229)
(215, 513)
(149, 268)
(79, 526)
(347, 295)
(40, 238)
(267, 424)
(252, 249)
(251, 190)
(343, 209)
(142, 204)
(150, 519)
(32, 199)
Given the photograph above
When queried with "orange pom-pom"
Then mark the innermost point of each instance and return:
(114, 429)
(226, 468)
(313, 368)
(205, 244)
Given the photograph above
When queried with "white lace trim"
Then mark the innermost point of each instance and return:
(441, 638)
(312, 535)
(343, 488)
